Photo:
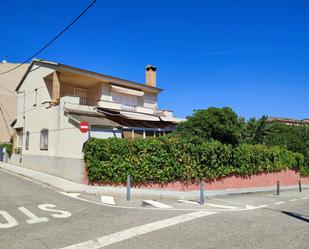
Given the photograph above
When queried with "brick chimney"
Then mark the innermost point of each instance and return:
(151, 75)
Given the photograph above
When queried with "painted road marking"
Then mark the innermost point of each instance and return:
(32, 218)
(58, 213)
(11, 222)
(158, 209)
(304, 198)
(189, 202)
(155, 204)
(137, 231)
(293, 200)
(220, 206)
(108, 200)
(249, 207)
(279, 202)
(74, 195)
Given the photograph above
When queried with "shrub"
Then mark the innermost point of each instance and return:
(167, 159)
(8, 147)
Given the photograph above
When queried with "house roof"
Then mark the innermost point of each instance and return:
(288, 120)
(111, 79)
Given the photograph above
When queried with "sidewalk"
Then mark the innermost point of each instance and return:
(73, 187)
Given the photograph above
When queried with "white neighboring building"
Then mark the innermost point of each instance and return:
(53, 99)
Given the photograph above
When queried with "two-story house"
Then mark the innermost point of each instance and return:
(53, 99)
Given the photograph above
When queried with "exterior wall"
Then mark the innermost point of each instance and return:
(150, 101)
(65, 139)
(68, 168)
(64, 156)
(286, 178)
(93, 92)
(145, 104)
(8, 98)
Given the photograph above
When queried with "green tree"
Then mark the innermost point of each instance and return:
(256, 131)
(294, 138)
(221, 124)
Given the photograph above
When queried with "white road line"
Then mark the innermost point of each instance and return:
(155, 204)
(293, 200)
(108, 200)
(154, 208)
(189, 202)
(137, 231)
(249, 207)
(279, 202)
(304, 198)
(74, 195)
(220, 206)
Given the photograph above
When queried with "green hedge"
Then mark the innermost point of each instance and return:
(167, 159)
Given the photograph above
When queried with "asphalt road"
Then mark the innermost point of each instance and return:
(33, 216)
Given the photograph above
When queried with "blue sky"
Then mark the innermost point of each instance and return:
(252, 55)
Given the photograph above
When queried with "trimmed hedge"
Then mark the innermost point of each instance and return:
(167, 159)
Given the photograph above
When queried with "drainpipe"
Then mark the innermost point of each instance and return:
(24, 118)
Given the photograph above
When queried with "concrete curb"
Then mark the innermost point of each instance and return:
(73, 187)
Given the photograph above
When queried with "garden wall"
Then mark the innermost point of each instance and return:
(287, 178)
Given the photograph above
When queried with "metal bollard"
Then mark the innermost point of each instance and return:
(202, 192)
(278, 187)
(128, 188)
(299, 185)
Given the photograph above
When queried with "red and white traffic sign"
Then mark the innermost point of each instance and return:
(84, 127)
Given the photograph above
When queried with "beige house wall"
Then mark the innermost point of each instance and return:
(64, 156)
(8, 98)
(65, 140)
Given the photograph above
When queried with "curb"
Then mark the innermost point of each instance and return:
(67, 186)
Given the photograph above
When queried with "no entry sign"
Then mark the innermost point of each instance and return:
(84, 127)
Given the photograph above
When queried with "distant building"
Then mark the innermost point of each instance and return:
(54, 99)
(8, 98)
(288, 121)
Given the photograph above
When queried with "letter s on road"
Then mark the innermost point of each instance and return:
(58, 213)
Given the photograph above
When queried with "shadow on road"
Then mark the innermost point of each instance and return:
(297, 216)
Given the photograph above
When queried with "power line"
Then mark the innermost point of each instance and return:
(52, 40)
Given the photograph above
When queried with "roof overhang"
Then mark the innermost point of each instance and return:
(102, 77)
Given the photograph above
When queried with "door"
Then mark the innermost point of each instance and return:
(1, 154)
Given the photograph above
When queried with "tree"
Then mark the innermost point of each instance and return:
(256, 130)
(221, 124)
(294, 138)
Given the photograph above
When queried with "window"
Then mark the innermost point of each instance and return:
(82, 94)
(20, 137)
(27, 140)
(44, 139)
(124, 99)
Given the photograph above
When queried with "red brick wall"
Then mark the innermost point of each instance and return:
(286, 178)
